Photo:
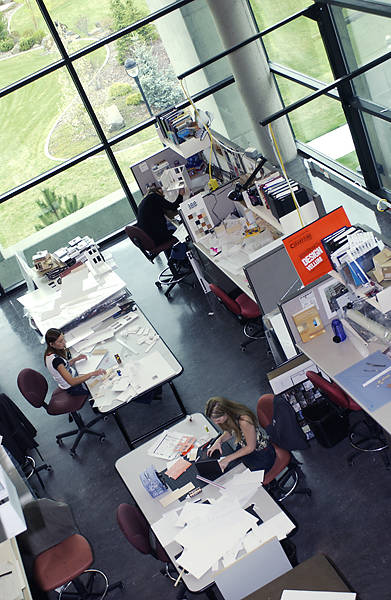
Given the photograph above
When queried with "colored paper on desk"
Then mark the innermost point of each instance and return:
(180, 466)
(368, 381)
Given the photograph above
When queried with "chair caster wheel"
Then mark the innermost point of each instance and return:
(60, 443)
(102, 438)
(49, 468)
(73, 453)
(105, 419)
(169, 298)
(243, 348)
(158, 285)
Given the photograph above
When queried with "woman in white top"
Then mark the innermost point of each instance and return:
(60, 365)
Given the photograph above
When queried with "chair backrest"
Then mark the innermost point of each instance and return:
(136, 529)
(227, 300)
(283, 458)
(33, 386)
(333, 391)
(265, 410)
(142, 240)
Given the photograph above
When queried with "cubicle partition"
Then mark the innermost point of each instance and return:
(271, 276)
(143, 171)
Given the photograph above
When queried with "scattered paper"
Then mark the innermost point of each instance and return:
(180, 466)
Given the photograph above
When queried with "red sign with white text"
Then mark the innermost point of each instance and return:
(305, 248)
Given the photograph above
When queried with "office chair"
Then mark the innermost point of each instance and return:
(34, 387)
(62, 556)
(285, 463)
(245, 309)
(137, 531)
(19, 438)
(373, 439)
(176, 270)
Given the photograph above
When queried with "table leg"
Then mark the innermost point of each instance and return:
(177, 397)
(122, 429)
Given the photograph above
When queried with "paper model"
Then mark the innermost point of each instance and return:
(308, 323)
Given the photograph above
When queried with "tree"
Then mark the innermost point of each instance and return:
(159, 83)
(54, 207)
(126, 12)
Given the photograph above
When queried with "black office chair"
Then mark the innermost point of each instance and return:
(176, 271)
(245, 309)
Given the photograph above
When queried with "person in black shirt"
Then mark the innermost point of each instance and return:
(150, 216)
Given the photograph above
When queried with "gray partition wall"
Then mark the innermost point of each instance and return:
(271, 276)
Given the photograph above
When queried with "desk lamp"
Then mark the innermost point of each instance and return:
(236, 193)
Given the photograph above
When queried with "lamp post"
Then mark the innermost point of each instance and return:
(131, 69)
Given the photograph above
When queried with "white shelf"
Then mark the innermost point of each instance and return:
(267, 215)
(189, 147)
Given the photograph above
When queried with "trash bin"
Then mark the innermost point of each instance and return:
(327, 423)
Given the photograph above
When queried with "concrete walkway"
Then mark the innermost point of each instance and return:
(334, 144)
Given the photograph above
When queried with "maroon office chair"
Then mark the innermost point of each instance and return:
(171, 275)
(62, 557)
(34, 387)
(245, 309)
(372, 440)
(283, 478)
(137, 531)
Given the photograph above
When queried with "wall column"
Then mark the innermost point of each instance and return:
(253, 77)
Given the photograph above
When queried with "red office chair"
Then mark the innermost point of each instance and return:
(245, 309)
(285, 464)
(171, 275)
(61, 557)
(372, 440)
(137, 531)
(34, 387)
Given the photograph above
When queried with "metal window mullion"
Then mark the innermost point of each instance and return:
(364, 151)
(302, 79)
(381, 9)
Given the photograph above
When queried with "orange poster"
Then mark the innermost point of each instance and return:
(305, 248)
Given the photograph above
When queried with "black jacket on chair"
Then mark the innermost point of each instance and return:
(284, 429)
(17, 431)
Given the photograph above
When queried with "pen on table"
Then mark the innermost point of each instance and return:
(4, 574)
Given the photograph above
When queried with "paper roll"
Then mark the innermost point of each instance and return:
(377, 329)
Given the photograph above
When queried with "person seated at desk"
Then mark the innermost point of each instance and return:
(60, 365)
(253, 446)
(150, 214)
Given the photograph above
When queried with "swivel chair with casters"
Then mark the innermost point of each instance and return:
(245, 309)
(365, 436)
(171, 275)
(62, 556)
(18, 435)
(282, 479)
(137, 531)
(34, 387)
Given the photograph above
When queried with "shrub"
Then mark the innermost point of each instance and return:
(6, 45)
(26, 43)
(119, 89)
(134, 99)
(38, 36)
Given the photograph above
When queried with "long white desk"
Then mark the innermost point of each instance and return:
(48, 309)
(333, 358)
(146, 362)
(132, 464)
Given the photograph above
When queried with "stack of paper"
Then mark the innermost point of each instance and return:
(305, 595)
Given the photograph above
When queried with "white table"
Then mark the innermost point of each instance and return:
(130, 465)
(333, 358)
(48, 309)
(150, 364)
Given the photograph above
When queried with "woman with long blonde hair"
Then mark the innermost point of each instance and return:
(253, 446)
